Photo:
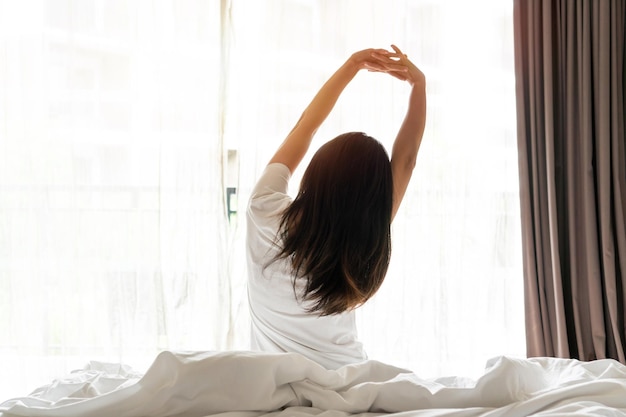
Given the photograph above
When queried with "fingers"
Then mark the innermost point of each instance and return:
(373, 66)
(389, 61)
(398, 51)
(391, 56)
(402, 56)
(381, 51)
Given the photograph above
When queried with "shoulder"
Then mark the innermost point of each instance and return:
(274, 179)
(269, 198)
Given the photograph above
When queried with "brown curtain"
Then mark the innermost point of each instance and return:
(569, 58)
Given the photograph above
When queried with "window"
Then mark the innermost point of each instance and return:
(131, 134)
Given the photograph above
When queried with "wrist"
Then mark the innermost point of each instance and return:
(352, 64)
(418, 93)
(418, 84)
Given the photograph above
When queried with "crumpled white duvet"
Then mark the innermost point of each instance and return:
(245, 384)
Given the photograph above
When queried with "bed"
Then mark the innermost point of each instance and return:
(248, 384)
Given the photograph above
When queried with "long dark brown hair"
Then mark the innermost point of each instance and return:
(336, 232)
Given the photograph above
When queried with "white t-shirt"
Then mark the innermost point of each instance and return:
(280, 322)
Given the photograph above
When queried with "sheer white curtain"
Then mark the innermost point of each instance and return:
(112, 221)
(128, 129)
(453, 295)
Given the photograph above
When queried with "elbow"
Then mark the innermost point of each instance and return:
(410, 163)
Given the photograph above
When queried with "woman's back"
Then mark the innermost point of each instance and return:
(280, 320)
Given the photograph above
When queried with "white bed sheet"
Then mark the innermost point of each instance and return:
(246, 384)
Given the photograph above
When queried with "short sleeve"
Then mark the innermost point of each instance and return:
(268, 199)
(274, 179)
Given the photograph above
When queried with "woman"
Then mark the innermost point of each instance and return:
(313, 260)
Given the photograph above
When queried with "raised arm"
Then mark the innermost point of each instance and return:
(297, 143)
(409, 137)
